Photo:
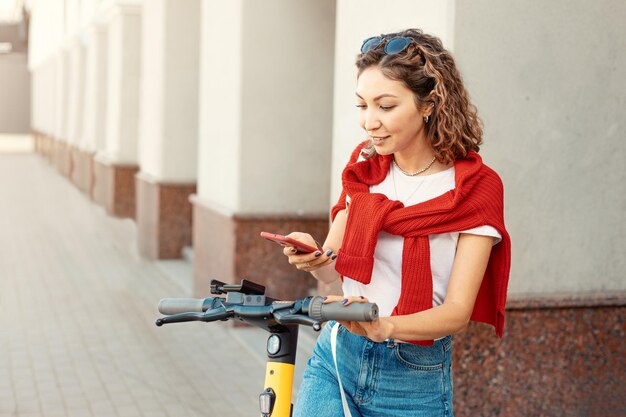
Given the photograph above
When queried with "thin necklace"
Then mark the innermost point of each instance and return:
(419, 171)
(393, 178)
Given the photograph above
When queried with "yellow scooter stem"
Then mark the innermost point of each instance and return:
(279, 377)
(281, 361)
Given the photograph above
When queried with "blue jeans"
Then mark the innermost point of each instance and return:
(378, 380)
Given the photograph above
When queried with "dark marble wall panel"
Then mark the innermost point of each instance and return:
(123, 204)
(229, 248)
(563, 361)
(77, 162)
(213, 247)
(82, 174)
(163, 218)
(38, 141)
(263, 261)
(63, 158)
(89, 177)
(56, 154)
(45, 145)
(48, 148)
(101, 190)
(147, 218)
(174, 219)
(114, 188)
(67, 162)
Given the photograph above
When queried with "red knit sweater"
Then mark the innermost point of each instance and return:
(476, 200)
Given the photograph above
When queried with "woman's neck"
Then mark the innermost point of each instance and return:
(416, 158)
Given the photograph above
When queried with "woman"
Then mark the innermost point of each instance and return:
(418, 229)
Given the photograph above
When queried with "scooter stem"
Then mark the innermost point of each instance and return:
(281, 359)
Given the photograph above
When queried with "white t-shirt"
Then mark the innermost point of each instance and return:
(386, 284)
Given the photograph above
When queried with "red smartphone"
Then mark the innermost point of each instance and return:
(287, 241)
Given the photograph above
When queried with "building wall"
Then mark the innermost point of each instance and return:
(548, 80)
(46, 32)
(14, 93)
(267, 112)
(182, 79)
(286, 108)
(221, 120)
(43, 99)
(169, 90)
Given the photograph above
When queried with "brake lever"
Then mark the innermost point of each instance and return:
(286, 318)
(179, 318)
(219, 313)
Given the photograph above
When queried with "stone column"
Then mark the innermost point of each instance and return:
(94, 132)
(169, 126)
(80, 174)
(116, 166)
(264, 151)
(46, 31)
(62, 157)
(43, 105)
(46, 106)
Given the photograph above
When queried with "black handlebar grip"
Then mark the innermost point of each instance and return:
(337, 311)
(171, 306)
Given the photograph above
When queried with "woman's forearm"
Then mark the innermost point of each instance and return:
(326, 274)
(430, 324)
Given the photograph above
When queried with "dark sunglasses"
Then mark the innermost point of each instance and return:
(393, 45)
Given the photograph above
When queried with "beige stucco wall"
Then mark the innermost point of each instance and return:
(548, 79)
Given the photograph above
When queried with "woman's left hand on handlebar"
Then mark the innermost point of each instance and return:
(378, 330)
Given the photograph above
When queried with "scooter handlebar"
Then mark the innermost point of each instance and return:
(313, 307)
(337, 311)
(171, 306)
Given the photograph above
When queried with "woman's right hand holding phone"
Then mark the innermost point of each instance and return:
(320, 266)
(308, 261)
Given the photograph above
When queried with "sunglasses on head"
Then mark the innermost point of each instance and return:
(392, 46)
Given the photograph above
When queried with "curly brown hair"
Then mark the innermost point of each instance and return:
(428, 70)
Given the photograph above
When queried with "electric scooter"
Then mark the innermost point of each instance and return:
(247, 302)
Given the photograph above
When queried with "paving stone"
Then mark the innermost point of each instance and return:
(77, 312)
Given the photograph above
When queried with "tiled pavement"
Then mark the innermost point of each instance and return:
(77, 311)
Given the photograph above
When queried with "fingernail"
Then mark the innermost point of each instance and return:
(333, 257)
(294, 250)
(344, 301)
(329, 252)
(318, 254)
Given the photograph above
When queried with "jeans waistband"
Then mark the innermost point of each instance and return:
(446, 341)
